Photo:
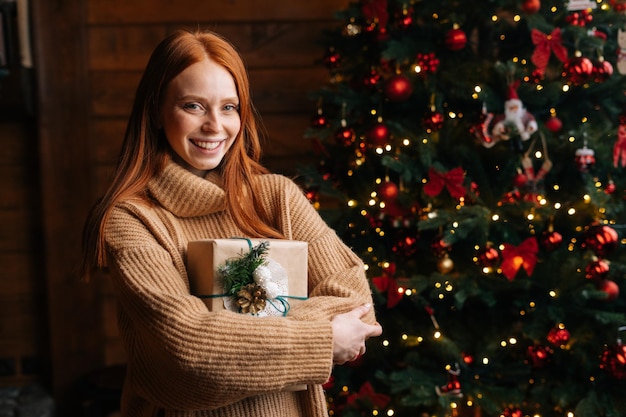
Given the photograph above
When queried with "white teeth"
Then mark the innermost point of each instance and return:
(207, 145)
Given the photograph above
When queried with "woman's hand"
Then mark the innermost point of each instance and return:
(350, 334)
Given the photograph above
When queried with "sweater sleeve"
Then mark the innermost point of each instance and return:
(181, 356)
(337, 281)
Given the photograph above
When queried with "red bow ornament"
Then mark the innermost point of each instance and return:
(367, 393)
(389, 285)
(451, 180)
(515, 257)
(545, 45)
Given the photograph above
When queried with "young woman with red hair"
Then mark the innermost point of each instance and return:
(189, 170)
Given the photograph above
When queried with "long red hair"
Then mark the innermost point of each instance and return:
(145, 150)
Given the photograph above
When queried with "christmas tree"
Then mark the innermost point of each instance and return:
(473, 153)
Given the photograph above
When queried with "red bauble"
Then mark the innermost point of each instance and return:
(319, 120)
(531, 6)
(433, 121)
(602, 71)
(610, 288)
(578, 70)
(554, 124)
(558, 336)
(388, 191)
(597, 270)
(345, 136)
(610, 188)
(488, 257)
(602, 240)
(520, 180)
(613, 360)
(618, 5)
(539, 355)
(398, 88)
(371, 79)
(378, 135)
(456, 39)
(332, 58)
(406, 243)
(512, 412)
(551, 240)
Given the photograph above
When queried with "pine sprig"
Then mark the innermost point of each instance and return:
(236, 273)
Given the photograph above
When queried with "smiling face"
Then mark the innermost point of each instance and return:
(200, 115)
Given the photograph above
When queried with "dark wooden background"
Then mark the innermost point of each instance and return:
(57, 157)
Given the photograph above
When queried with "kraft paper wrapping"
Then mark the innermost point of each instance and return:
(205, 256)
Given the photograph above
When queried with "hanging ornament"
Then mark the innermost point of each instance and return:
(621, 51)
(597, 270)
(426, 63)
(558, 336)
(550, 240)
(619, 149)
(531, 6)
(538, 355)
(545, 45)
(345, 135)
(481, 129)
(578, 70)
(582, 18)
(512, 412)
(516, 257)
(404, 18)
(398, 88)
(554, 124)
(379, 134)
(585, 158)
(451, 180)
(618, 5)
(388, 191)
(613, 359)
(445, 264)
(455, 39)
(332, 58)
(440, 247)
(405, 243)
(372, 78)
(602, 70)
(610, 187)
(433, 121)
(488, 257)
(319, 120)
(517, 124)
(453, 387)
(610, 288)
(388, 285)
(533, 180)
(601, 239)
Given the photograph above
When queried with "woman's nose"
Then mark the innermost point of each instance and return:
(210, 122)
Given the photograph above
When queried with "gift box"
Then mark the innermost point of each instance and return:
(283, 272)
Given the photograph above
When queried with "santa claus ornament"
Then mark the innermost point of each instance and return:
(516, 124)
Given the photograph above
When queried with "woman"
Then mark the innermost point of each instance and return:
(189, 170)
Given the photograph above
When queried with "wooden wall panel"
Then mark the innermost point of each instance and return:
(123, 11)
(90, 55)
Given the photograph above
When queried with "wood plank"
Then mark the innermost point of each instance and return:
(273, 90)
(146, 11)
(16, 143)
(63, 105)
(17, 188)
(17, 231)
(262, 44)
(107, 135)
(20, 273)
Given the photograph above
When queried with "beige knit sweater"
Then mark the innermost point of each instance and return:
(186, 361)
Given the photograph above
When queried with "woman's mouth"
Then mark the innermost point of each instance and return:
(209, 146)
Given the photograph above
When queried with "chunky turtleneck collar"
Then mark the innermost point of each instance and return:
(185, 194)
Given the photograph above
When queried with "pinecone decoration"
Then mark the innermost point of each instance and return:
(251, 299)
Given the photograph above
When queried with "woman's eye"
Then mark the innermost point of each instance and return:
(193, 106)
(231, 107)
